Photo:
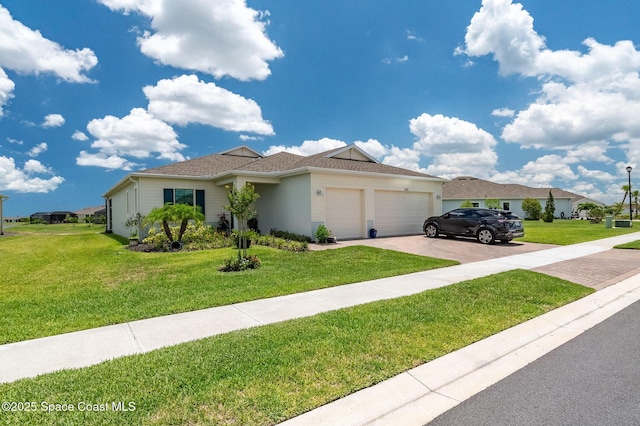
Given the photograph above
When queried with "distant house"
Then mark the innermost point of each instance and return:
(2, 199)
(510, 196)
(344, 189)
(90, 212)
(52, 217)
(13, 219)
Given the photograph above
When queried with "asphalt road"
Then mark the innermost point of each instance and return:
(593, 379)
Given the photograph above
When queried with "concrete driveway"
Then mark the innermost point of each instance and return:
(460, 249)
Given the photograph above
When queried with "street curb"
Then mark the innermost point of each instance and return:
(423, 393)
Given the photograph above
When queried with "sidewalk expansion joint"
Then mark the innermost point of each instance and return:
(137, 346)
(248, 315)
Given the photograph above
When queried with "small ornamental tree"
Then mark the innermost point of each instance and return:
(241, 206)
(492, 203)
(532, 208)
(549, 209)
(173, 213)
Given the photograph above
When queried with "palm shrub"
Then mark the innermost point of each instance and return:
(174, 213)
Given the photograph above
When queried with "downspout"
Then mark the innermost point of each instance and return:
(107, 215)
(136, 202)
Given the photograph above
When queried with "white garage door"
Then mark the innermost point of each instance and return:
(344, 212)
(400, 213)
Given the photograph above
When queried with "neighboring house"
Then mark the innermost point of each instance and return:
(52, 217)
(90, 212)
(2, 198)
(510, 196)
(345, 189)
(13, 219)
(575, 205)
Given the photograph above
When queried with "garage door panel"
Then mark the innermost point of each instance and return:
(344, 212)
(400, 213)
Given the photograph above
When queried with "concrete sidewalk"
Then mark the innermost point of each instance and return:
(89, 347)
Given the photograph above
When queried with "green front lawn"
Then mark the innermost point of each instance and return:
(267, 374)
(565, 232)
(62, 278)
(633, 246)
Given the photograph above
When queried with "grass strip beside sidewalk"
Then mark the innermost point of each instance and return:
(267, 374)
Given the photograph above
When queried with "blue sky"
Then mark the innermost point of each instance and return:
(539, 93)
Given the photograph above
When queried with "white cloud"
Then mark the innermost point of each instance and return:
(412, 36)
(406, 158)
(224, 38)
(506, 31)
(457, 147)
(598, 175)
(34, 166)
(15, 141)
(396, 60)
(250, 138)
(26, 51)
(103, 160)
(186, 99)
(589, 152)
(38, 149)
(585, 97)
(138, 135)
(53, 120)
(566, 116)
(309, 147)
(373, 147)
(503, 112)
(541, 172)
(79, 136)
(13, 178)
(6, 90)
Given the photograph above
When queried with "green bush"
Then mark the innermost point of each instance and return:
(532, 209)
(322, 233)
(280, 243)
(196, 237)
(290, 236)
(238, 264)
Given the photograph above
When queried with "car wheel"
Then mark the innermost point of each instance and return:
(485, 236)
(431, 230)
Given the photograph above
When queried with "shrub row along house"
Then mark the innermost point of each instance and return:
(345, 189)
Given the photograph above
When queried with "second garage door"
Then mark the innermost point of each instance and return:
(400, 213)
(344, 212)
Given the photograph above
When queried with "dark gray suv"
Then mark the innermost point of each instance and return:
(486, 225)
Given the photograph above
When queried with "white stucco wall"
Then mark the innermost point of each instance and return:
(122, 207)
(285, 206)
(152, 195)
(145, 194)
(321, 182)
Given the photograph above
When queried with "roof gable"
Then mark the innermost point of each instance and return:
(351, 152)
(242, 151)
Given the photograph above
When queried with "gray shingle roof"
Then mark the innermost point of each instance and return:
(216, 164)
(209, 165)
(467, 187)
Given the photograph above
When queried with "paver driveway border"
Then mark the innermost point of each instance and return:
(463, 250)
